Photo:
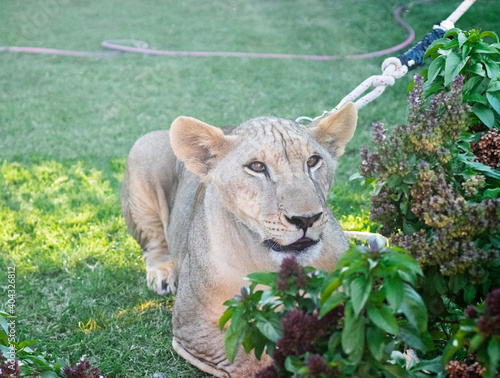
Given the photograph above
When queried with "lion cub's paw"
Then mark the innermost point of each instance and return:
(161, 278)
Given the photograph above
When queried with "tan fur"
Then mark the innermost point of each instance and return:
(204, 228)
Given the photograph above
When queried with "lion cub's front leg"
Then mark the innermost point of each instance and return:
(145, 188)
(162, 278)
(145, 224)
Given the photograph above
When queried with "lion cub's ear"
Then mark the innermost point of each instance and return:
(335, 130)
(199, 145)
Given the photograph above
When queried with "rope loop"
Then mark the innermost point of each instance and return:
(393, 67)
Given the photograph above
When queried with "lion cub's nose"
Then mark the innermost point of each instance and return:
(303, 222)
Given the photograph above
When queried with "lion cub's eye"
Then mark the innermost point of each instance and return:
(313, 161)
(257, 166)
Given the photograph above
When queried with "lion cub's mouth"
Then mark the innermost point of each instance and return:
(298, 246)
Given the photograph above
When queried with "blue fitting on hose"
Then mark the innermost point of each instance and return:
(416, 53)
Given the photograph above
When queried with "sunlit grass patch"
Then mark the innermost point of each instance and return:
(61, 216)
(350, 204)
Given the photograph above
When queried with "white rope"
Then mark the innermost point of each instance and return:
(454, 17)
(392, 69)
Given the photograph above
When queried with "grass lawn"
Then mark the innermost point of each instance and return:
(67, 124)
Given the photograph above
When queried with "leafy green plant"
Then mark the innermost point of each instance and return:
(434, 200)
(27, 361)
(436, 197)
(481, 332)
(351, 321)
(19, 359)
(467, 53)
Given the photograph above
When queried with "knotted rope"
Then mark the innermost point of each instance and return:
(395, 68)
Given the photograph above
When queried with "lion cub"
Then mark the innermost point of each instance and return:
(208, 208)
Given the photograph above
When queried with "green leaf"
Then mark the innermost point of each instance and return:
(470, 293)
(396, 371)
(383, 318)
(335, 340)
(410, 179)
(492, 69)
(493, 86)
(348, 257)
(428, 282)
(408, 229)
(477, 69)
(453, 32)
(254, 340)
(225, 318)
(263, 278)
(455, 343)
(333, 301)
(450, 45)
(485, 114)
(494, 100)
(475, 342)
(234, 335)
(4, 339)
(394, 290)
(330, 288)
(24, 344)
(453, 66)
(494, 240)
(414, 309)
(249, 339)
(470, 85)
(489, 34)
(356, 176)
(466, 49)
(48, 374)
(435, 69)
(375, 338)
(360, 290)
(4, 324)
(494, 355)
(269, 327)
(415, 339)
(400, 260)
(435, 46)
(476, 98)
(461, 39)
(434, 366)
(394, 181)
(353, 334)
(293, 364)
(4, 349)
(484, 48)
(439, 283)
(491, 193)
(485, 169)
(38, 360)
(457, 283)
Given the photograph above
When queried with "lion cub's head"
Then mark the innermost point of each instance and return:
(273, 174)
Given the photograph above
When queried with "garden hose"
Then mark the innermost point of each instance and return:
(116, 47)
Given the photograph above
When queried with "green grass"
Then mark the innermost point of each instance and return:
(67, 124)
